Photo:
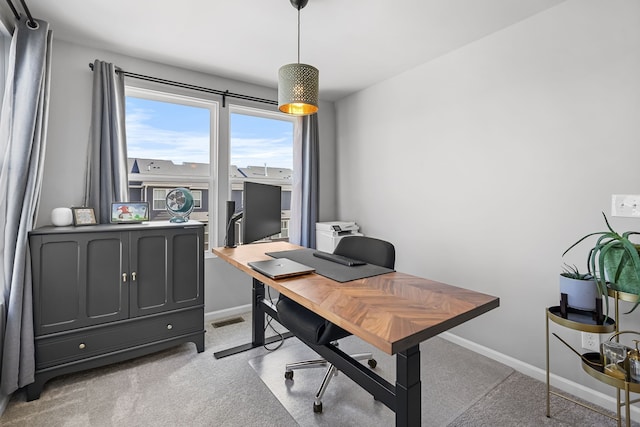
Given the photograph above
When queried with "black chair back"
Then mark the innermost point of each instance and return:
(367, 249)
(306, 324)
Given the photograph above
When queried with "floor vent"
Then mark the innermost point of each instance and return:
(227, 322)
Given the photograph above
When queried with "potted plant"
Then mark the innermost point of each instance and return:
(614, 260)
(581, 288)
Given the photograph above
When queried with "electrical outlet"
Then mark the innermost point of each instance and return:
(591, 341)
(627, 205)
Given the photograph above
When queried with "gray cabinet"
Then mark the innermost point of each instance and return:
(107, 293)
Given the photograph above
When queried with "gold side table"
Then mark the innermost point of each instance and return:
(628, 386)
(582, 321)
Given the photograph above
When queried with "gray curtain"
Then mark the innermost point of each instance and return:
(23, 128)
(304, 203)
(106, 180)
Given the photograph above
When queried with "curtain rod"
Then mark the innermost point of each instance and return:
(32, 22)
(224, 94)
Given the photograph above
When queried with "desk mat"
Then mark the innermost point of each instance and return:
(332, 270)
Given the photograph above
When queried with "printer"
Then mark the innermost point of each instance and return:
(328, 234)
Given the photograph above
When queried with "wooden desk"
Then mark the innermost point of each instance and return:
(394, 312)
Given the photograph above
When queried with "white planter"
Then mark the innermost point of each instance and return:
(581, 294)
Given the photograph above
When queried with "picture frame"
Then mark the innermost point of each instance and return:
(83, 216)
(129, 212)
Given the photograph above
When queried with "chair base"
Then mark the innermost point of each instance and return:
(331, 372)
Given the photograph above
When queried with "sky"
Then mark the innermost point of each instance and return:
(167, 131)
(258, 140)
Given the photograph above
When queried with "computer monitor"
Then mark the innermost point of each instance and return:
(261, 213)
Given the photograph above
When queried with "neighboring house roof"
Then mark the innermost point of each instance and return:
(267, 172)
(168, 168)
(234, 172)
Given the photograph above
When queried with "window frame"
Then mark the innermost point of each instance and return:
(265, 114)
(176, 95)
(170, 96)
(274, 115)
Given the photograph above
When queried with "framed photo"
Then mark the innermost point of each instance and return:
(84, 216)
(129, 212)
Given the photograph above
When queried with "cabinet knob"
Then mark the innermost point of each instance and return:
(124, 277)
(169, 326)
(82, 346)
(133, 276)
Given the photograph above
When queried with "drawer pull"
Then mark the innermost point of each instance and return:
(133, 276)
(169, 326)
(124, 277)
(82, 346)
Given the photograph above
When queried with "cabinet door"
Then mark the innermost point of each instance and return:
(77, 280)
(168, 268)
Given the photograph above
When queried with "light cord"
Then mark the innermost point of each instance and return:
(298, 34)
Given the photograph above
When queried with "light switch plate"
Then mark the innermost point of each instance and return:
(625, 205)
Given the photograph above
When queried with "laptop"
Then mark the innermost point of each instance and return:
(279, 268)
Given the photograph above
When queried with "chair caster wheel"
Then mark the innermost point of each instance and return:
(317, 408)
(288, 375)
(372, 363)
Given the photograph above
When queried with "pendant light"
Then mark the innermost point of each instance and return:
(298, 83)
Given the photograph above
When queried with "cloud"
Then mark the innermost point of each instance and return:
(147, 141)
(275, 152)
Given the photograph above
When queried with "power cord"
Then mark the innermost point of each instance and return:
(269, 325)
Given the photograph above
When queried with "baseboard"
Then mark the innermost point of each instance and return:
(567, 386)
(214, 316)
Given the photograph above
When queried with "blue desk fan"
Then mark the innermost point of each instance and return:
(179, 204)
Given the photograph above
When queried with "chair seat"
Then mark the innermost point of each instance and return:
(306, 325)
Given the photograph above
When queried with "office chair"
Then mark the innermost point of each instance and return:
(309, 327)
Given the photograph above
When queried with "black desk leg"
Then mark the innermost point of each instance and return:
(258, 310)
(408, 393)
(257, 314)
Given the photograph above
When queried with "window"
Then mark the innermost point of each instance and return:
(160, 199)
(261, 150)
(169, 145)
(197, 198)
(170, 141)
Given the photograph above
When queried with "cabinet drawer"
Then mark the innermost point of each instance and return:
(84, 343)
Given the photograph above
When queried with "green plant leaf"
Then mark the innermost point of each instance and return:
(608, 242)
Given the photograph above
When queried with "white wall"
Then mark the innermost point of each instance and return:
(70, 111)
(483, 166)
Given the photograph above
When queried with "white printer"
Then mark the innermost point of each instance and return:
(328, 234)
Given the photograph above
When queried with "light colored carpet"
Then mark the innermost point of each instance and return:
(179, 387)
(521, 401)
(452, 381)
(175, 387)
